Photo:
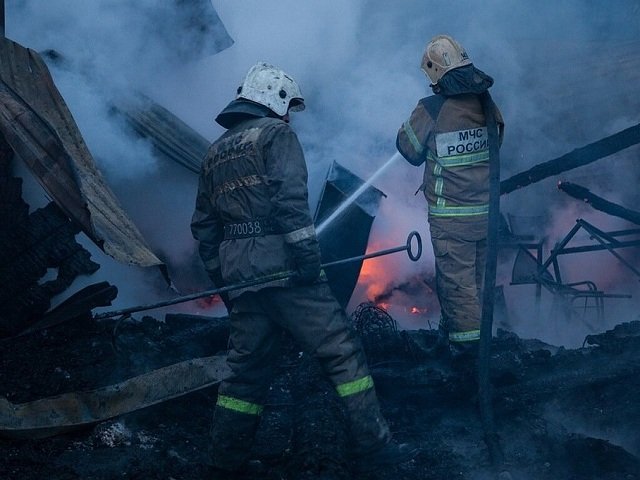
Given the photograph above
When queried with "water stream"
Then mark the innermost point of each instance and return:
(352, 198)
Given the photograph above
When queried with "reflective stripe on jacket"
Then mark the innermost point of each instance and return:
(255, 170)
(450, 135)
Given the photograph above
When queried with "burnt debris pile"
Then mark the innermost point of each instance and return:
(30, 246)
(560, 413)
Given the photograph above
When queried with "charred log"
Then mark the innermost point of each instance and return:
(577, 158)
(582, 193)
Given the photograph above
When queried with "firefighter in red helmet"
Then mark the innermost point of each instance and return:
(252, 220)
(447, 132)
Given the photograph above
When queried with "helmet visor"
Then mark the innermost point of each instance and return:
(296, 105)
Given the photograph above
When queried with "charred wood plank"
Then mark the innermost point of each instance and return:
(50, 416)
(577, 158)
(582, 193)
(78, 305)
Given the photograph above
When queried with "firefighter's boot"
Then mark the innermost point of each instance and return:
(464, 363)
(232, 435)
(374, 447)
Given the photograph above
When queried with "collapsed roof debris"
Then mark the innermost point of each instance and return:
(30, 245)
(171, 137)
(38, 126)
(45, 239)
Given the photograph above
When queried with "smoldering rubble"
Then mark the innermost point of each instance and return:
(559, 413)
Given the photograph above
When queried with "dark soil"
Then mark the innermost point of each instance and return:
(560, 414)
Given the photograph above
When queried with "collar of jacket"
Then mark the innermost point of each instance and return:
(239, 110)
(467, 79)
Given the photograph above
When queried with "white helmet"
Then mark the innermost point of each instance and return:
(273, 88)
(441, 55)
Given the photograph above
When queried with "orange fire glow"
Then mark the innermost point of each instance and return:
(208, 302)
(374, 276)
(379, 281)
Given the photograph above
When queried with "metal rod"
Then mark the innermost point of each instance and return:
(261, 280)
(389, 251)
(559, 247)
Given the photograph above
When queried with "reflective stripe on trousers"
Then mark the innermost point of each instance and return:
(469, 336)
(356, 386)
(240, 406)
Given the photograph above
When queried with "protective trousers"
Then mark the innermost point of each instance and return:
(315, 320)
(460, 266)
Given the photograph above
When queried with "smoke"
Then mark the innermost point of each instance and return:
(565, 74)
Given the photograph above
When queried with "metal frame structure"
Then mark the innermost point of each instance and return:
(606, 241)
(530, 270)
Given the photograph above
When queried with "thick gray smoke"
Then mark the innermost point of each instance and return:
(566, 74)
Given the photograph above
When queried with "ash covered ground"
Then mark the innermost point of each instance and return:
(560, 414)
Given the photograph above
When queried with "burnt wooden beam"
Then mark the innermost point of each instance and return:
(577, 158)
(78, 306)
(582, 193)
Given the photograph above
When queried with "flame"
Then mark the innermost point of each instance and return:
(407, 299)
(373, 276)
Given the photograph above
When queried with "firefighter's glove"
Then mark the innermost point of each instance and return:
(218, 282)
(307, 257)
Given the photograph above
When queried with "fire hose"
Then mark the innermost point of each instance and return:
(279, 276)
(485, 399)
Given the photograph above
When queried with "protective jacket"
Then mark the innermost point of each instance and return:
(252, 216)
(449, 133)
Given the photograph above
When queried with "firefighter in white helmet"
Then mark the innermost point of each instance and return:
(447, 132)
(252, 220)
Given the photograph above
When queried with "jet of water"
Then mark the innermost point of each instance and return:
(352, 198)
